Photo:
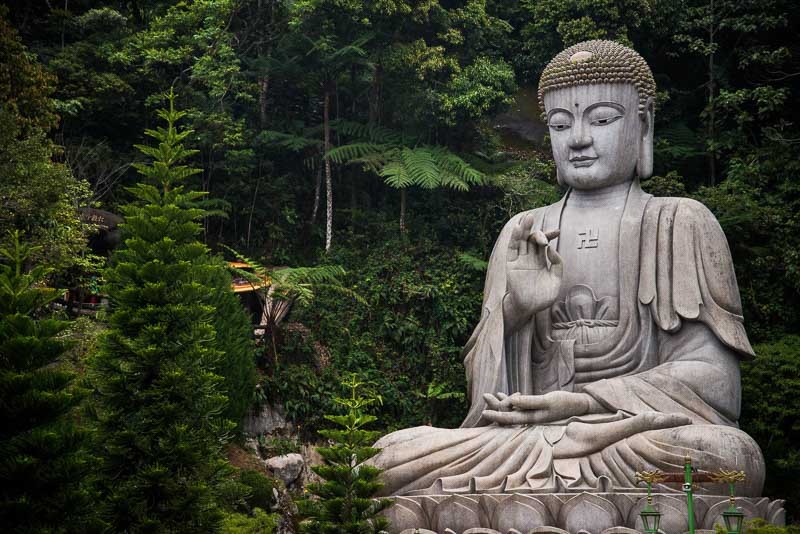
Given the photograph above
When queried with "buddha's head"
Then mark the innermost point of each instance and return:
(598, 98)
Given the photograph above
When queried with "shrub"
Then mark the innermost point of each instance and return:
(258, 523)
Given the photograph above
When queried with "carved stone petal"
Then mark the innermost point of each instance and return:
(776, 514)
(481, 531)
(520, 512)
(458, 513)
(547, 530)
(620, 530)
(714, 515)
(405, 514)
(417, 531)
(589, 513)
(673, 509)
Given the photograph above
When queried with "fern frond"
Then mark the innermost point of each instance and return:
(295, 283)
(293, 142)
(374, 162)
(348, 153)
(395, 175)
(473, 262)
(452, 163)
(370, 133)
(421, 167)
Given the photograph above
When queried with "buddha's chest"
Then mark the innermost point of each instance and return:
(589, 245)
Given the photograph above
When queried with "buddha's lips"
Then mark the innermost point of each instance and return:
(583, 161)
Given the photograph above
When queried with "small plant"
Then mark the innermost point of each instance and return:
(259, 522)
(278, 446)
(345, 503)
(437, 392)
(759, 526)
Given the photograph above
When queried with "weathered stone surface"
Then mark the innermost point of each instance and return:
(565, 513)
(265, 420)
(286, 467)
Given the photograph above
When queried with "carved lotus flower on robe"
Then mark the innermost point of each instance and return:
(583, 317)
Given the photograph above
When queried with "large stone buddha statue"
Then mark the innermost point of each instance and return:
(611, 329)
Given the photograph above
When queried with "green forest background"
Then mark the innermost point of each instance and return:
(376, 148)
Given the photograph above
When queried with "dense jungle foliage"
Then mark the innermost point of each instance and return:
(385, 142)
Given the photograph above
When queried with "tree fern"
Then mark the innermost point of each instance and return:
(295, 142)
(296, 283)
(356, 152)
(371, 133)
(279, 288)
(400, 160)
(396, 175)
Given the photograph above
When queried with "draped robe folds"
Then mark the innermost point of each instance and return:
(674, 349)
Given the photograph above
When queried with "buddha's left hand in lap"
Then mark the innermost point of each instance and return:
(519, 409)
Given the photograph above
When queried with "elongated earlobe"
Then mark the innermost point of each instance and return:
(559, 181)
(644, 165)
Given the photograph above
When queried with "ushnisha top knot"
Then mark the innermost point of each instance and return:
(598, 61)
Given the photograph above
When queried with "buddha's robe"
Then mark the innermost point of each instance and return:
(673, 347)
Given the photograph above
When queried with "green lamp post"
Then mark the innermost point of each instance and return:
(732, 517)
(651, 518)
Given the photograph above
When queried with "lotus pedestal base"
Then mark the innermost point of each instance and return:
(564, 513)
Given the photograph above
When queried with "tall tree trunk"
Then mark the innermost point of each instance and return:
(375, 96)
(263, 81)
(263, 88)
(64, 24)
(711, 126)
(317, 187)
(403, 196)
(253, 206)
(328, 178)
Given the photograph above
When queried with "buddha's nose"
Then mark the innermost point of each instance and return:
(580, 138)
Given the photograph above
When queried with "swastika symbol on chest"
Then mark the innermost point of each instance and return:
(589, 238)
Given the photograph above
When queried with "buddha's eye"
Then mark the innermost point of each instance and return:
(605, 119)
(559, 120)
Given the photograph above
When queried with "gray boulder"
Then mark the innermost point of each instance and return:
(286, 467)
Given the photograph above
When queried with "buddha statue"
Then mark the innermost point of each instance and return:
(611, 327)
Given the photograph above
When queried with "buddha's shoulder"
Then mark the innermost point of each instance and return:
(680, 210)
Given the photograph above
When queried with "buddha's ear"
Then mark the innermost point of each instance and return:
(644, 165)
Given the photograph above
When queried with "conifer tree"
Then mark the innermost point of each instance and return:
(42, 457)
(345, 503)
(160, 398)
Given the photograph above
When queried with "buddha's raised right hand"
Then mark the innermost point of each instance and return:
(533, 273)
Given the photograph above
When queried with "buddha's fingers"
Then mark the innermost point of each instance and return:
(528, 402)
(581, 439)
(491, 401)
(539, 238)
(555, 259)
(525, 232)
(509, 418)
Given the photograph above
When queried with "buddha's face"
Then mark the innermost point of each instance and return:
(598, 135)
